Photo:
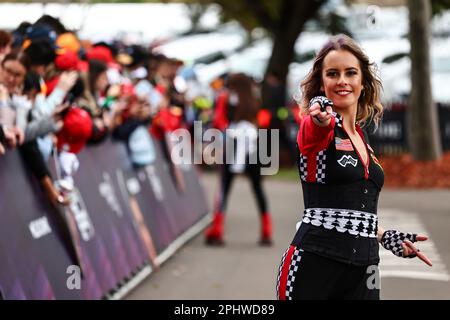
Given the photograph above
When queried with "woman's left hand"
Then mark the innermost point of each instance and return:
(410, 251)
(401, 244)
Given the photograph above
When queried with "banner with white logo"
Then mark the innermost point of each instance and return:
(120, 219)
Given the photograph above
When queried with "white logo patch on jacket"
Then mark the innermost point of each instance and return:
(344, 160)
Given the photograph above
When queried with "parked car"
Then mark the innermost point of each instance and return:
(205, 48)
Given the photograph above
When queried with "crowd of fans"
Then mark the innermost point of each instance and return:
(58, 93)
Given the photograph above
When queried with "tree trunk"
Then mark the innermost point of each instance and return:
(293, 16)
(278, 66)
(423, 125)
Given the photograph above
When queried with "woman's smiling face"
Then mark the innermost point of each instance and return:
(342, 79)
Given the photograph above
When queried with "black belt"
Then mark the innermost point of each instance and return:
(356, 223)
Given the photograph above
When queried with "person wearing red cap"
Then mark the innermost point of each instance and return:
(65, 69)
(76, 131)
(101, 53)
(67, 61)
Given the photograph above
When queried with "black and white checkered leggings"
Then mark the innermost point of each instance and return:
(307, 276)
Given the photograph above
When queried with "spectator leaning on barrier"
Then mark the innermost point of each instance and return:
(169, 116)
(103, 81)
(146, 86)
(53, 79)
(334, 252)
(38, 43)
(132, 127)
(94, 100)
(170, 84)
(30, 152)
(18, 100)
(238, 107)
(42, 56)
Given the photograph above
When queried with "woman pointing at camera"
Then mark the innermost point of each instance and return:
(338, 237)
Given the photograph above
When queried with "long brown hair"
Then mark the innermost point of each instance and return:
(5, 39)
(249, 103)
(369, 105)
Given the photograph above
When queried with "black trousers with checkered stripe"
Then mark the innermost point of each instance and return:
(307, 276)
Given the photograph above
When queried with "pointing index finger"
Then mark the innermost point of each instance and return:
(419, 254)
(421, 237)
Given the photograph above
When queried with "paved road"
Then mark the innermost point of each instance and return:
(243, 270)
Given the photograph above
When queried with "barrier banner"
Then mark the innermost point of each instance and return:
(120, 219)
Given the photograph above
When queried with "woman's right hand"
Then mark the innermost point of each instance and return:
(320, 108)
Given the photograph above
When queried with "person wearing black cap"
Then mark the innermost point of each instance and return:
(52, 22)
(41, 53)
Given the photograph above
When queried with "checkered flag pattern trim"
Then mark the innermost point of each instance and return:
(293, 268)
(303, 167)
(321, 166)
(323, 101)
(279, 271)
(356, 223)
(392, 240)
(337, 119)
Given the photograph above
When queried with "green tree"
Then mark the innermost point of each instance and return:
(283, 20)
(438, 6)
